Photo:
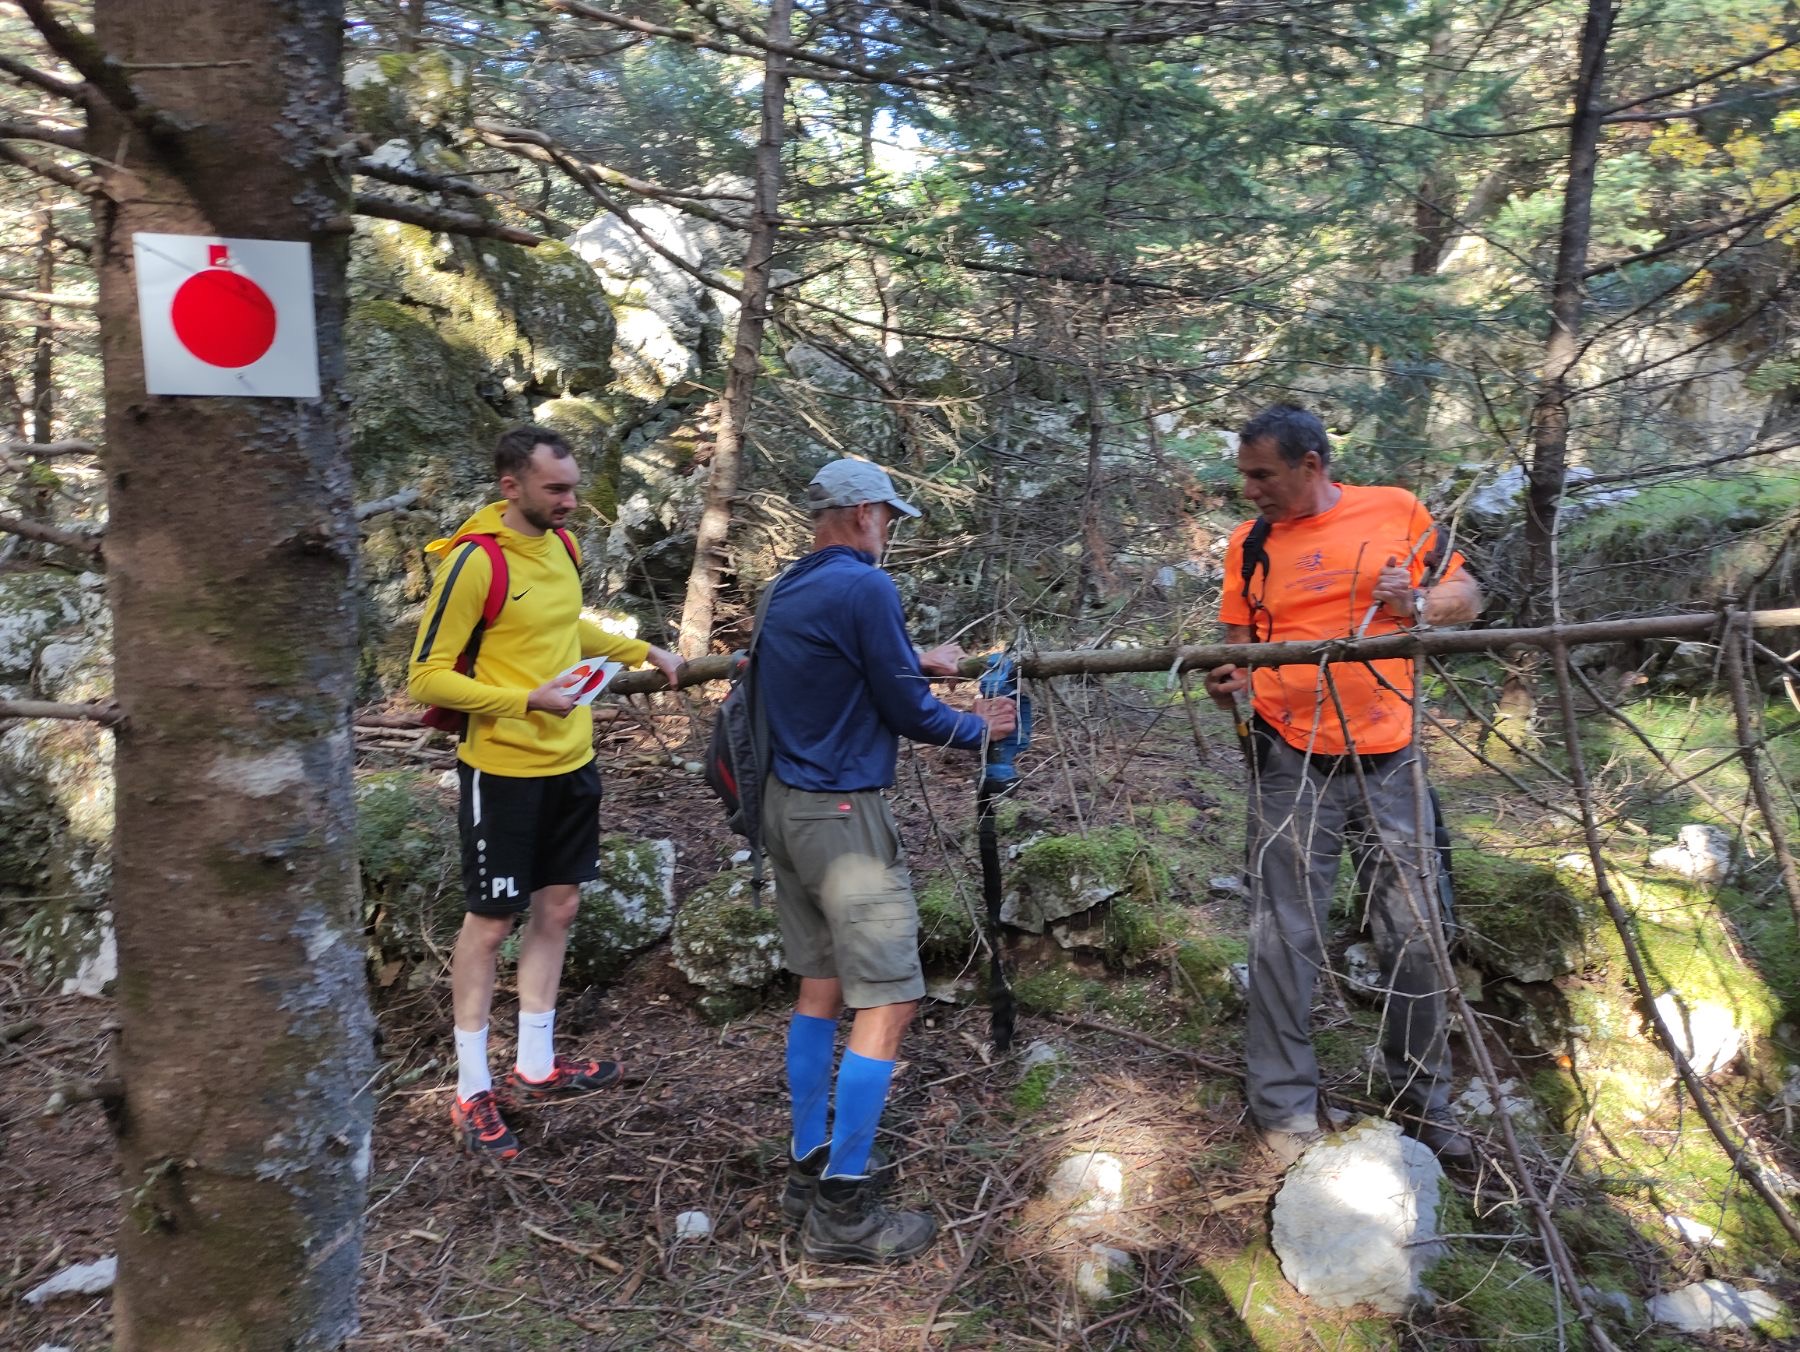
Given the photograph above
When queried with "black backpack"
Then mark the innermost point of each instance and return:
(737, 754)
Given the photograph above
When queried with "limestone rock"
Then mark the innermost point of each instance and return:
(723, 943)
(1105, 1273)
(1356, 1217)
(1707, 1033)
(410, 857)
(1362, 970)
(693, 1225)
(1091, 1185)
(1701, 852)
(83, 1279)
(1705, 1306)
(1476, 1102)
(629, 907)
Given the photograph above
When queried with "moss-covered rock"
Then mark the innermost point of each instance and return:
(411, 863)
(1055, 877)
(723, 941)
(946, 929)
(402, 94)
(1203, 981)
(1525, 920)
(629, 907)
(33, 606)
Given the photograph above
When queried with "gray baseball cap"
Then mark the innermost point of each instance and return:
(850, 483)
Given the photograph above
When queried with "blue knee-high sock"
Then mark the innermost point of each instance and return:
(810, 1044)
(862, 1090)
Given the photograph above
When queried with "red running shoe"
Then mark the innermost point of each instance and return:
(481, 1128)
(567, 1078)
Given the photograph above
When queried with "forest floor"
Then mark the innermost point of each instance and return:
(574, 1244)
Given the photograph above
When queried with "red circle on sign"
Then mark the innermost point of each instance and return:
(223, 318)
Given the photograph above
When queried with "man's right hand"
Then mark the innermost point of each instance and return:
(550, 698)
(1225, 683)
(1000, 715)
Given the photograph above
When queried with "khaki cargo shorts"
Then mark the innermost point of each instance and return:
(843, 895)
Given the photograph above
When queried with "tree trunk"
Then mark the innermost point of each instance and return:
(1550, 413)
(43, 338)
(710, 557)
(245, 1041)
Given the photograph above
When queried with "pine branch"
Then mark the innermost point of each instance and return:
(404, 176)
(447, 222)
(1662, 250)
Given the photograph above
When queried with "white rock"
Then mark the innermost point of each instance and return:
(1701, 852)
(1356, 1219)
(1039, 1054)
(98, 969)
(1108, 1272)
(1707, 1033)
(1226, 885)
(1705, 1306)
(740, 857)
(1362, 970)
(1091, 1184)
(1476, 1102)
(1698, 1233)
(1240, 976)
(448, 780)
(84, 1279)
(52, 1347)
(693, 1225)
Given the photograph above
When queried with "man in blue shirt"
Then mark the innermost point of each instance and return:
(842, 684)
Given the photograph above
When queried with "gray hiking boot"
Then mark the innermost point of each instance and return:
(803, 1178)
(849, 1224)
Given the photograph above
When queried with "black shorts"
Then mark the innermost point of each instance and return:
(522, 833)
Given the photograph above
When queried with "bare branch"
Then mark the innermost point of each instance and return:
(66, 137)
(52, 535)
(1675, 114)
(72, 179)
(1753, 59)
(104, 75)
(101, 711)
(1757, 217)
(50, 84)
(52, 298)
(449, 222)
(1196, 657)
(406, 497)
(46, 450)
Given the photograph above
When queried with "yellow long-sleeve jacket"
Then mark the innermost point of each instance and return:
(539, 632)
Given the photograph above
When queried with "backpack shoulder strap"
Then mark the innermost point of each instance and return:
(496, 596)
(1255, 553)
(762, 611)
(569, 544)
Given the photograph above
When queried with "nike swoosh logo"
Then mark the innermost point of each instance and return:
(520, 596)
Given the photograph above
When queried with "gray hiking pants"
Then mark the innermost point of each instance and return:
(1301, 817)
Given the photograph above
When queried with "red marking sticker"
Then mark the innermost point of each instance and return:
(843, 807)
(221, 316)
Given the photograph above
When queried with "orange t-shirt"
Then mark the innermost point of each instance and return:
(1321, 571)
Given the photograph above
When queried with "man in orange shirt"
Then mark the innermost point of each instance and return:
(1335, 561)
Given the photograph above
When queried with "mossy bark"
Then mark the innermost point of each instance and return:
(245, 1034)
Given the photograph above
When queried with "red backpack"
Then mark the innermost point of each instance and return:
(455, 720)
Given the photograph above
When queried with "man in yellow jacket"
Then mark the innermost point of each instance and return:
(530, 806)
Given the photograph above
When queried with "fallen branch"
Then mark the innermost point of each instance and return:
(101, 711)
(61, 301)
(1743, 1161)
(1199, 657)
(394, 502)
(46, 450)
(85, 541)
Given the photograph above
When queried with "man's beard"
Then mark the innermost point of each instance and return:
(541, 520)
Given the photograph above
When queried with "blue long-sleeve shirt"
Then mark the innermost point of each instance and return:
(841, 681)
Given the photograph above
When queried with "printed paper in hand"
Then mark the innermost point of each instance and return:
(587, 678)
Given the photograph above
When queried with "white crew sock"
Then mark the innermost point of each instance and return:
(472, 1075)
(537, 1059)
